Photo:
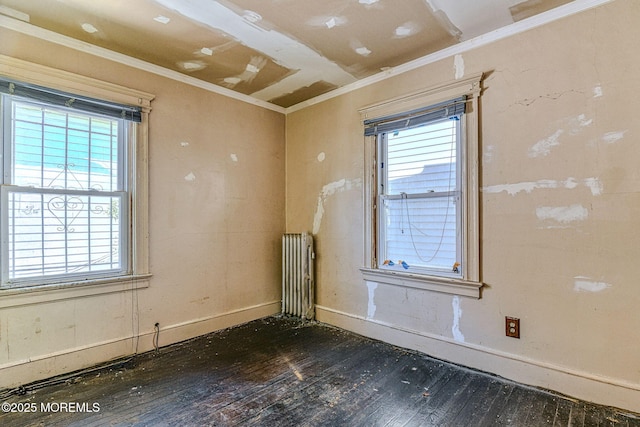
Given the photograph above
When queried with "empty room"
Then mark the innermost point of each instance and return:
(341, 212)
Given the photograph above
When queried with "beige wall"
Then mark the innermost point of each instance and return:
(216, 216)
(560, 199)
(560, 202)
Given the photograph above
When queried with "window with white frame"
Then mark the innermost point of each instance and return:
(419, 196)
(69, 169)
(423, 209)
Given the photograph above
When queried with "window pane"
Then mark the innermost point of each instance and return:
(56, 233)
(422, 159)
(420, 226)
(421, 232)
(56, 148)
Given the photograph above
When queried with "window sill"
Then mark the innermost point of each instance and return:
(428, 283)
(13, 297)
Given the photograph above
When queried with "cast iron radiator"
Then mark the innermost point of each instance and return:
(298, 285)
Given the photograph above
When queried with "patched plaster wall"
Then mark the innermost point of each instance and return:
(560, 199)
(216, 209)
(559, 196)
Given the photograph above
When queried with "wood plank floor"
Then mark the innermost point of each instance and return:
(282, 372)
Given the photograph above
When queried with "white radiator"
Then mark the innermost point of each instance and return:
(298, 285)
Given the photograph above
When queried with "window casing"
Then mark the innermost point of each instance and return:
(74, 200)
(421, 204)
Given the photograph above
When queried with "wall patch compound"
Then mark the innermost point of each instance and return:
(574, 125)
(371, 305)
(613, 137)
(562, 214)
(330, 190)
(457, 314)
(458, 66)
(570, 183)
(586, 284)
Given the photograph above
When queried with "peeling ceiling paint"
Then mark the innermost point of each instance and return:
(283, 52)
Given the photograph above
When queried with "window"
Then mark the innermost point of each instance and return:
(422, 208)
(64, 196)
(419, 197)
(70, 179)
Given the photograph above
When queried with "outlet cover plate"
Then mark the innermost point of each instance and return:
(512, 327)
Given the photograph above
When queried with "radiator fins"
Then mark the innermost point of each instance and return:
(298, 286)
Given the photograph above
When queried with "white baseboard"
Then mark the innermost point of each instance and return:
(40, 367)
(570, 382)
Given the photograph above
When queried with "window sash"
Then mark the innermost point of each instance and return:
(62, 172)
(53, 235)
(422, 232)
(432, 243)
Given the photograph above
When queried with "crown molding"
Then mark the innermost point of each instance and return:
(535, 21)
(53, 37)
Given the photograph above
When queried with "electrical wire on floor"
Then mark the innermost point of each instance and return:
(24, 389)
(135, 329)
(135, 318)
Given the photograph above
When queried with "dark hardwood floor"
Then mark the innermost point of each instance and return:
(280, 372)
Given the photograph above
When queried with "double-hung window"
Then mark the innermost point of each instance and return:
(67, 213)
(422, 211)
(419, 192)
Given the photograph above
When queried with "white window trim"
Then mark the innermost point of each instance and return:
(470, 284)
(138, 178)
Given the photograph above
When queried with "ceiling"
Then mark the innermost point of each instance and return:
(280, 51)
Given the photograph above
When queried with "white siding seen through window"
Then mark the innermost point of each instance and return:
(419, 196)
